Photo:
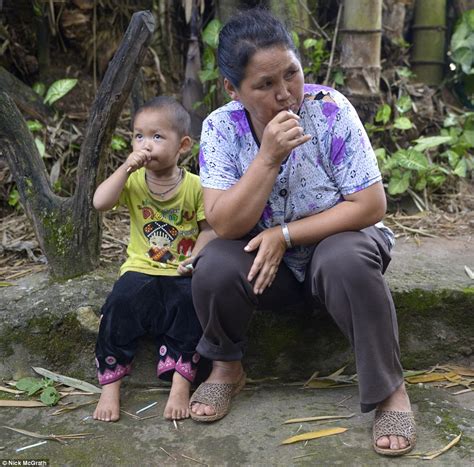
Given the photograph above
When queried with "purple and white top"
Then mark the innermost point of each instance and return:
(338, 160)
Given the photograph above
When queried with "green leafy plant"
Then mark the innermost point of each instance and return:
(56, 91)
(316, 52)
(49, 394)
(432, 160)
(462, 55)
(118, 143)
(209, 74)
(59, 89)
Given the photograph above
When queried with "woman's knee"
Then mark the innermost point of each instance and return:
(220, 265)
(346, 254)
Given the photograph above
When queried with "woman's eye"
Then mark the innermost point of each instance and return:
(265, 85)
(290, 74)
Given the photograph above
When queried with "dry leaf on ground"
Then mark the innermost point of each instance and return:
(314, 435)
(317, 419)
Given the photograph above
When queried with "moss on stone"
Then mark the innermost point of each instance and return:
(58, 340)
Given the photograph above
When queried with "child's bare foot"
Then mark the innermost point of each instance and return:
(108, 407)
(178, 400)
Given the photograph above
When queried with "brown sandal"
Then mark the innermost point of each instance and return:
(391, 422)
(217, 396)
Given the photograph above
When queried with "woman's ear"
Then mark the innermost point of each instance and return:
(185, 145)
(231, 90)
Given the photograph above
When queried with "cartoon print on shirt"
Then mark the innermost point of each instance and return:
(185, 248)
(147, 212)
(160, 235)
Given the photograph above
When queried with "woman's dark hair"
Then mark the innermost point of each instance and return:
(245, 34)
(178, 114)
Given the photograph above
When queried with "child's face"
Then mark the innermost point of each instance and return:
(153, 132)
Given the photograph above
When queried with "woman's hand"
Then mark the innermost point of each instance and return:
(137, 159)
(271, 248)
(281, 135)
(185, 268)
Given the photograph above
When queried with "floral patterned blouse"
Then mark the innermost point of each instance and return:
(338, 160)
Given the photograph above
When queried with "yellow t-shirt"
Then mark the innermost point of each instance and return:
(162, 233)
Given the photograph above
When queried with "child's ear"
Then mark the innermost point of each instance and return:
(185, 144)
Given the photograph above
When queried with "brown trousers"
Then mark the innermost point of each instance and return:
(345, 275)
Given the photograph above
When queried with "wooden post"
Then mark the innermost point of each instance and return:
(429, 41)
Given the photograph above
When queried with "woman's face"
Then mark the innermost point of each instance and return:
(273, 82)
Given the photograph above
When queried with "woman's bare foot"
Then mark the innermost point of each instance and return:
(222, 372)
(108, 407)
(178, 400)
(400, 402)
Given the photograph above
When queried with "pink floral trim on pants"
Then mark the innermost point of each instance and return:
(110, 376)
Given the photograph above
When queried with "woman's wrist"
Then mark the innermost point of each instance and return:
(286, 235)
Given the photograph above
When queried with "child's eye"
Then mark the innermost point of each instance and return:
(138, 136)
(156, 137)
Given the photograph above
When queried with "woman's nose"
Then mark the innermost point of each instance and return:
(282, 93)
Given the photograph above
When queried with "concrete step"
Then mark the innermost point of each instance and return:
(249, 436)
(43, 323)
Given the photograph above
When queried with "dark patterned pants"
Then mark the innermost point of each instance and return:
(141, 304)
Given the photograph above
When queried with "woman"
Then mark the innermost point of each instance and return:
(292, 188)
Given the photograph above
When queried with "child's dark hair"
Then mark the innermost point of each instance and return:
(179, 115)
(245, 34)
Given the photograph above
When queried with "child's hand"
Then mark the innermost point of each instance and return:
(185, 268)
(137, 159)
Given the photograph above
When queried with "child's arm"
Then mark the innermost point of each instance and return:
(108, 192)
(206, 234)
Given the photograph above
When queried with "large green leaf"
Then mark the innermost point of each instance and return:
(50, 396)
(428, 142)
(210, 35)
(402, 123)
(59, 89)
(208, 59)
(398, 185)
(383, 114)
(413, 160)
(453, 157)
(34, 125)
(461, 168)
(208, 75)
(30, 385)
(463, 57)
(404, 103)
(460, 34)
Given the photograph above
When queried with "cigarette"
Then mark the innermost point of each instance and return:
(30, 446)
(147, 407)
(129, 169)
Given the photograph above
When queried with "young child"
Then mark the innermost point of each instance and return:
(167, 228)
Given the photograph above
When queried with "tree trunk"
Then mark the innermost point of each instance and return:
(27, 100)
(226, 9)
(192, 88)
(461, 6)
(361, 43)
(393, 19)
(42, 37)
(292, 13)
(68, 229)
(429, 41)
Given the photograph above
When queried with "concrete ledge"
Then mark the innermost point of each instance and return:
(54, 324)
